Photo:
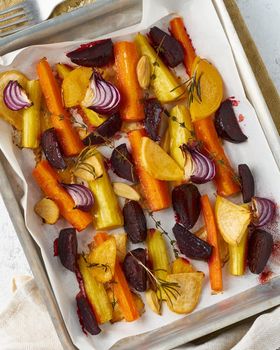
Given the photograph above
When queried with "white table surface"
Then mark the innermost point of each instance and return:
(262, 18)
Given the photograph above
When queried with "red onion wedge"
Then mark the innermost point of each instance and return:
(102, 96)
(199, 168)
(81, 195)
(15, 97)
(263, 210)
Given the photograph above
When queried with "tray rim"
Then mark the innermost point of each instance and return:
(35, 260)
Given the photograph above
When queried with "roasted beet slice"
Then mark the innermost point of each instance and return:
(104, 131)
(96, 53)
(67, 248)
(247, 182)
(170, 50)
(190, 245)
(51, 148)
(186, 204)
(135, 274)
(259, 250)
(153, 114)
(227, 125)
(86, 315)
(134, 222)
(122, 163)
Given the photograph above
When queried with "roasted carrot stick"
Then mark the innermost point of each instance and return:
(179, 32)
(214, 263)
(48, 180)
(68, 137)
(226, 180)
(121, 288)
(126, 59)
(155, 191)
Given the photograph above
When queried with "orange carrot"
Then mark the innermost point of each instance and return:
(48, 180)
(214, 263)
(68, 137)
(226, 180)
(126, 59)
(179, 32)
(155, 191)
(121, 288)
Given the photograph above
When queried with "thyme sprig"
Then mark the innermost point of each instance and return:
(105, 267)
(169, 288)
(181, 124)
(164, 232)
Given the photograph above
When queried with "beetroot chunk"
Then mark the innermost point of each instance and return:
(86, 315)
(136, 274)
(153, 114)
(134, 222)
(122, 163)
(171, 50)
(97, 54)
(67, 248)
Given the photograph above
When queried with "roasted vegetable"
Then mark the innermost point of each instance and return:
(181, 132)
(106, 210)
(81, 196)
(15, 96)
(51, 148)
(121, 242)
(153, 301)
(171, 50)
(122, 163)
(189, 291)
(124, 190)
(153, 115)
(86, 315)
(190, 245)
(63, 70)
(74, 86)
(259, 250)
(89, 167)
(247, 182)
(227, 125)
(92, 118)
(104, 131)
(158, 163)
(238, 256)
(96, 293)
(126, 59)
(158, 255)
(232, 220)
(31, 116)
(263, 210)
(163, 82)
(48, 180)
(186, 204)
(156, 192)
(143, 71)
(181, 265)
(67, 248)
(135, 273)
(94, 54)
(134, 222)
(48, 210)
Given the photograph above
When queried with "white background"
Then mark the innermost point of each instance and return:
(262, 18)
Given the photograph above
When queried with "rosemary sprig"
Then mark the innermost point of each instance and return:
(164, 232)
(155, 63)
(169, 288)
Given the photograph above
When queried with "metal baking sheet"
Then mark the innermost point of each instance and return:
(205, 321)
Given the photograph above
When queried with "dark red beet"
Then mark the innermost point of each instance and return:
(122, 163)
(55, 247)
(171, 50)
(104, 131)
(86, 315)
(153, 114)
(259, 250)
(67, 248)
(247, 182)
(51, 148)
(97, 54)
(135, 274)
(227, 125)
(186, 204)
(190, 245)
(134, 222)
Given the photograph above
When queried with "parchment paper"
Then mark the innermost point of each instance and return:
(210, 42)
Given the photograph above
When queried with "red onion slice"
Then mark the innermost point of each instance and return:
(15, 97)
(203, 168)
(81, 195)
(263, 210)
(102, 96)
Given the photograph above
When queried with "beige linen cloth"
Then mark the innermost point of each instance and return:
(25, 325)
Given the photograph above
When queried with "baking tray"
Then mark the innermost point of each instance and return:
(193, 326)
